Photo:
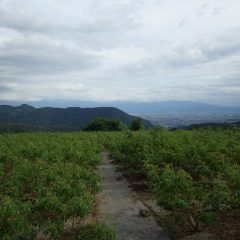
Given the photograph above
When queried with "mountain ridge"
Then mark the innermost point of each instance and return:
(154, 107)
(72, 118)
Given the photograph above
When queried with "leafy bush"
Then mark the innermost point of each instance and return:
(208, 218)
(190, 171)
(136, 124)
(46, 179)
(95, 232)
(102, 124)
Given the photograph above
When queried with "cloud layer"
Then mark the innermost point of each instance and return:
(138, 50)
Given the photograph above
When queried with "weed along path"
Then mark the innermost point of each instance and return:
(121, 211)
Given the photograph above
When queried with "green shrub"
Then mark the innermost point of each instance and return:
(95, 232)
(137, 124)
(103, 124)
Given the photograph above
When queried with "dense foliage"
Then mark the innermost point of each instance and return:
(211, 126)
(95, 231)
(103, 124)
(24, 128)
(137, 124)
(45, 180)
(193, 171)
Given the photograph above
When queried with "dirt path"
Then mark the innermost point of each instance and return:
(120, 210)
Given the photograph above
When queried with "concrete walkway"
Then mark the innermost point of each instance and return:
(121, 212)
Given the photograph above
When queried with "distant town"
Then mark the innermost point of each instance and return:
(172, 120)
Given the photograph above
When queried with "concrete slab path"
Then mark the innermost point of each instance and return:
(120, 211)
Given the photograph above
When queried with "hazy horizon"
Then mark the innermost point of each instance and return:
(115, 103)
(128, 50)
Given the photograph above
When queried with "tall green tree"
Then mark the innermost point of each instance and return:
(137, 124)
(103, 124)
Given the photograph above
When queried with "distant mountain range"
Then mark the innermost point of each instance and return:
(48, 118)
(181, 107)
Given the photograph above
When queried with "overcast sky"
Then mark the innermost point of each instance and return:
(138, 50)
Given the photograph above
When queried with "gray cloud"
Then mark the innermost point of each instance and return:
(120, 50)
(4, 89)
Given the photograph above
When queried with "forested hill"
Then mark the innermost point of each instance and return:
(210, 126)
(72, 118)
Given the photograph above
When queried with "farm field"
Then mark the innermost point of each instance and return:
(193, 174)
(49, 181)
